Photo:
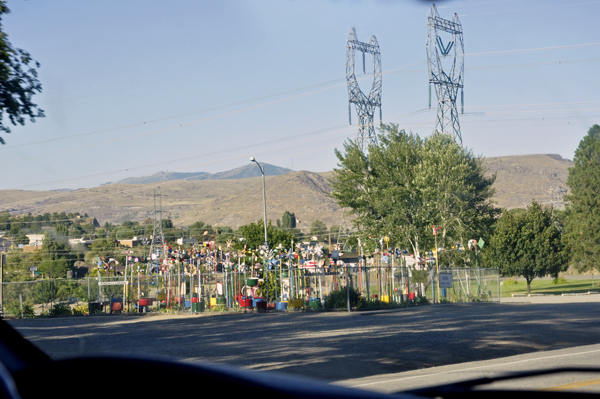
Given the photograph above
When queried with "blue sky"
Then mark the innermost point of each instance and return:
(136, 87)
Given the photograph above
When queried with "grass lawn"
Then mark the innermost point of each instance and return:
(548, 287)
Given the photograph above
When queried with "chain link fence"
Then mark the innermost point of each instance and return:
(341, 287)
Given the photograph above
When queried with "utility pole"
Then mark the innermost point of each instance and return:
(365, 105)
(158, 237)
(446, 70)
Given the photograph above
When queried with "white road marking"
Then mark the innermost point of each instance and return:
(475, 368)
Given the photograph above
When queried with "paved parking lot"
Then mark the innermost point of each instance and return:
(330, 346)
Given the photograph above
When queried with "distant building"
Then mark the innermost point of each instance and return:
(130, 243)
(187, 241)
(35, 239)
(73, 242)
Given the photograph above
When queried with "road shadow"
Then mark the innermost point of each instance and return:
(329, 346)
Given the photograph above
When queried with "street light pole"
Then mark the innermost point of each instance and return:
(265, 225)
(264, 199)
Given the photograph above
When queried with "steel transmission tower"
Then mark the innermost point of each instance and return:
(365, 105)
(446, 70)
(158, 237)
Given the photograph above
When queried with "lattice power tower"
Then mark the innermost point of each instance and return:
(158, 237)
(446, 70)
(365, 105)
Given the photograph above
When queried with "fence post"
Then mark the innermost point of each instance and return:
(498, 281)
(432, 285)
(347, 289)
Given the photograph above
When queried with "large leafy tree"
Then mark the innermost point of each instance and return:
(57, 257)
(528, 244)
(582, 230)
(18, 82)
(253, 235)
(406, 183)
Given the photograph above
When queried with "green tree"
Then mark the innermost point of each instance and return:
(18, 264)
(5, 220)
(405, 184)
(318, 228)
(15, 230)
(62, 229)
(57, 258)
(582, 230)
(101, 247)
(288, 220)
(253, 235)
(528, 244)
(18, 82)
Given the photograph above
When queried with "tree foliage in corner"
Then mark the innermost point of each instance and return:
(406, 183)
(582, 230)
(18, 82)
(528, 244)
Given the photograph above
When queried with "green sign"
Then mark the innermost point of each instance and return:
(481, 243)
(37, 273)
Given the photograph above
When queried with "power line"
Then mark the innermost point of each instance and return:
(391, 71)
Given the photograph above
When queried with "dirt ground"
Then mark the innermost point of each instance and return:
(328, 346)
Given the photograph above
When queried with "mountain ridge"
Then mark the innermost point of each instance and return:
(234, 202)
(241, 172)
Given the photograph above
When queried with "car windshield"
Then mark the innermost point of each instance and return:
(386, 196)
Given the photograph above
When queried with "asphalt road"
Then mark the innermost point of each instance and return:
(582, 356)
(329, 346)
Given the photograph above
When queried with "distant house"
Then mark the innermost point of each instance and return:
(35, 239)
(130, 243)
(73, 242)
(187, 241)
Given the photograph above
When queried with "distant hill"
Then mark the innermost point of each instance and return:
(234, 197)
(521, 178)
(243, 172)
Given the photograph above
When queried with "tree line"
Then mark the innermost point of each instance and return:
(57, 256)
(431, 195)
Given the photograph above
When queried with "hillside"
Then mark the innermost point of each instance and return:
(243, 172)
(237, 201)
(519, 179)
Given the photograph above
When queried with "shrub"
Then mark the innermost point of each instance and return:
(60, 309)
(339, 299)
(421, 300)
(368, 303)
(559, 280)
(81, 310)
(510, 281)
(13, 308)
